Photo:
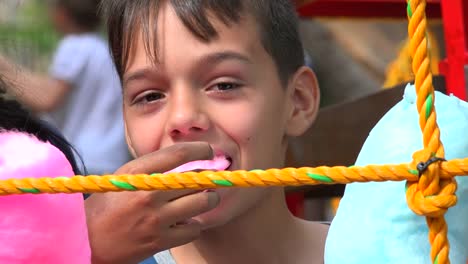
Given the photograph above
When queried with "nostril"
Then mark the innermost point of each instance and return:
(175, 133)
(196, 129)
(188, 131)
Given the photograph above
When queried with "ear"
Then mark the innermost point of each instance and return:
(129, 143)
(304, 96)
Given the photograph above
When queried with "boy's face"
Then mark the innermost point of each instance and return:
(60, 18)
(226, 92)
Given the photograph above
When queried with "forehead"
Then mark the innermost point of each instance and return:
(164, 39)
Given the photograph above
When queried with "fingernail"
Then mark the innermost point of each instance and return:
(211, 151)
(213, 199)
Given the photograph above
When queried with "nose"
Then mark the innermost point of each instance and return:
(187, 116)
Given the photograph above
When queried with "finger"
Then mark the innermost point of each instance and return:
(182, 234)
(160, 197)
(167, 196)
(168, 158)
(188, 206)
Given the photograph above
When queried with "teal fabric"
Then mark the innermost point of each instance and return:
(373, 223)
(164, 257)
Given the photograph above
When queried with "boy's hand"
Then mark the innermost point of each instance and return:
(129, 227)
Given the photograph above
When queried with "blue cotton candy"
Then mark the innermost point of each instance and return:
(373, 223)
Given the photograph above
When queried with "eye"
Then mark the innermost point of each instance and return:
(149, 97)
(226, 86)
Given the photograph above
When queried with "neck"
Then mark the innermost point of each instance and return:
(250, 237)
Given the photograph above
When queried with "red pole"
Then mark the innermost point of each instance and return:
(361, 8)
(454, 27)
(465, 19)
(295, 202)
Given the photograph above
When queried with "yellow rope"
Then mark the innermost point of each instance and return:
(256, 178)
(430, 186)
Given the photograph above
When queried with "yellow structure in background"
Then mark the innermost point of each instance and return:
(399, 71)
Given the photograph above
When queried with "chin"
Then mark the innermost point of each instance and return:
(213, 219)
(234, 203)
(224, 212)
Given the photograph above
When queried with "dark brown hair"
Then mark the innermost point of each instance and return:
(277, 26)
(84, 13)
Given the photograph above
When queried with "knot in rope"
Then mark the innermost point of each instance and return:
(430, 195)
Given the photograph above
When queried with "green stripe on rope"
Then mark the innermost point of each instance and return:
(414, 172)
(429, 101)
(29, 190)
(223, 183)
(436, 261)
(123, 185)
(319, 177)
(408, 9)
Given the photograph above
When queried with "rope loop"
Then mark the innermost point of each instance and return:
(430, 195)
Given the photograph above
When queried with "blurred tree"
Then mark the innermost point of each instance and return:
(26, 34)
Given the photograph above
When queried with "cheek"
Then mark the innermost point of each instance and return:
(144, 133)
(258, 132)
(241, 126)
(246, 123)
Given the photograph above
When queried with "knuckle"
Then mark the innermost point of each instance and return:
(155, 220)
(130, 168)
(144, 199)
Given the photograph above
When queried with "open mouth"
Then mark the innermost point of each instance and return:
(230, 163)
(220, 162)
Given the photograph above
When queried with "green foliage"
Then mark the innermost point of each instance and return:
(32, 27)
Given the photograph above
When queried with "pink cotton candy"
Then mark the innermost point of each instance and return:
(219, 163)
(44, 228)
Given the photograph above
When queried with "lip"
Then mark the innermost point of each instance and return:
(218, 152)
(220, 162)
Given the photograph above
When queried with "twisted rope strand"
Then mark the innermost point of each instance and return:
(430, 195)
(256, 178)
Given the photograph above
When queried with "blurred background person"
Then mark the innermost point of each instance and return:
(81, 93)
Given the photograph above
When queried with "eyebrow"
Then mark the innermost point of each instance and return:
(137, 75)
(218, 57)
(210, 59)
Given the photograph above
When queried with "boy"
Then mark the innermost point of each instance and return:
(82, 91)
(228, 73)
